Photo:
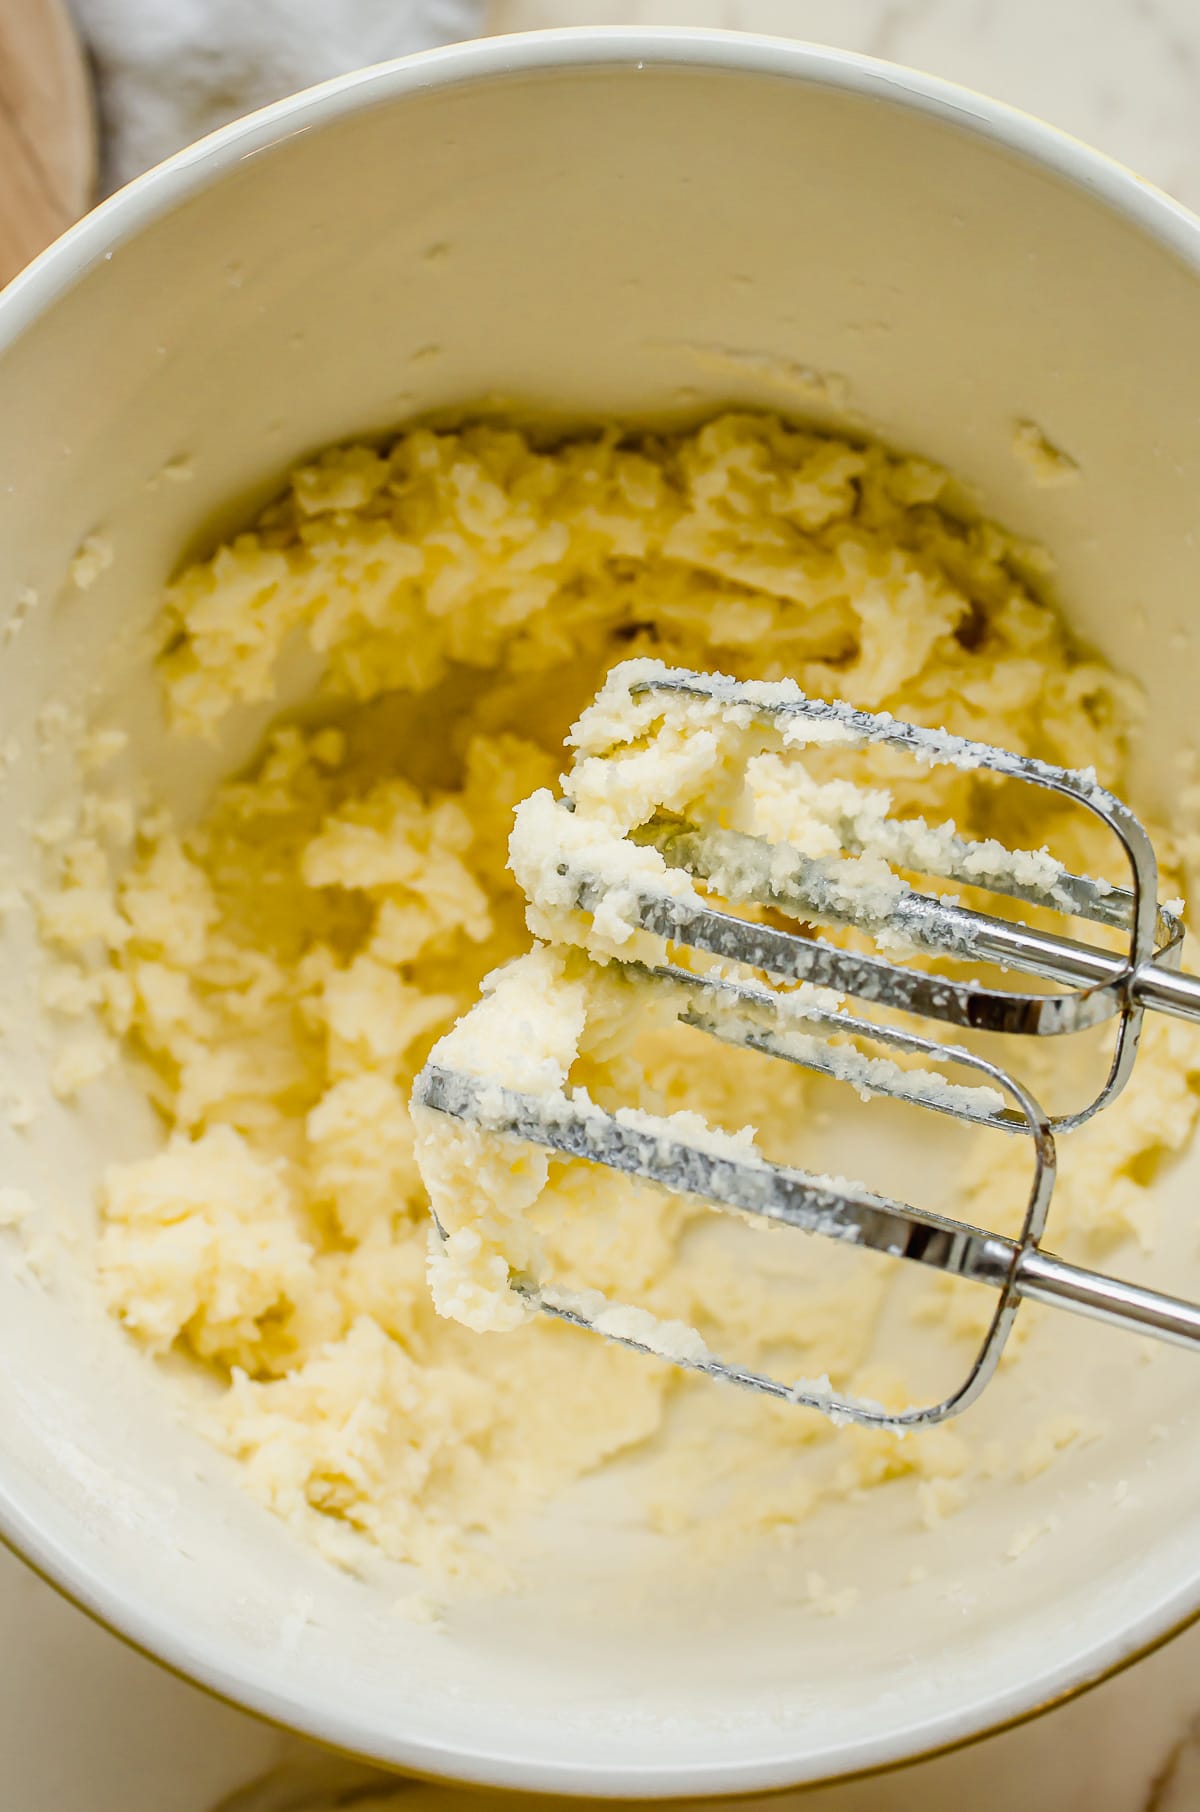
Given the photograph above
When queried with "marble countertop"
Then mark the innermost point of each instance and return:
(88, 1726)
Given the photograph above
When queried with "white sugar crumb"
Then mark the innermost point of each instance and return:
(692, 1130)
(1052, 1438)
(19, 1107)
(55, 829)
(43, 1256)
(1025, 1537)
(939, 1498)
(79, 1063)
(421, 1608)
(114, 820)
(66, 989)
(58, 724)
(296, 1619)
(1045, 463)
(94, 556)
(16, 1206)
(99, 747)
(842, 1408)
(673, 1340)
(25, 604)
(828, 388)
(827, 1602)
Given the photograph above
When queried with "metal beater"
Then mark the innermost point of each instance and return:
(1095, 984)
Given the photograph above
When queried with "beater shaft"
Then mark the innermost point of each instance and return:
(1040, 1277)
(1168, 990)
(803, 887)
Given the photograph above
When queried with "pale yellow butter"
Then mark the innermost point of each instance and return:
(286, 965)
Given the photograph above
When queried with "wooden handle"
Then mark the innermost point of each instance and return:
(47, 130)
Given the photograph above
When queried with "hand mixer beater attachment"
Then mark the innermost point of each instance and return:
(1115, 976)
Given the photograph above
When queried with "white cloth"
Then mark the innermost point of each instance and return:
(169, 71)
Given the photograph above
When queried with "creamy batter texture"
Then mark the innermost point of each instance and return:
(283, 967)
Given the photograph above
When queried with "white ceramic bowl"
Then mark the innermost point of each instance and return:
(591, 222)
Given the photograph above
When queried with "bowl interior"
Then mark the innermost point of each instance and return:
(644, 227)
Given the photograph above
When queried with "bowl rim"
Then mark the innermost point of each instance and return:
(95, 239)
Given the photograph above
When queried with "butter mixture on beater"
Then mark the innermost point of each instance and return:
(285, 965)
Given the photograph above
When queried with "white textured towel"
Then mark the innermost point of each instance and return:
(170, 70)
